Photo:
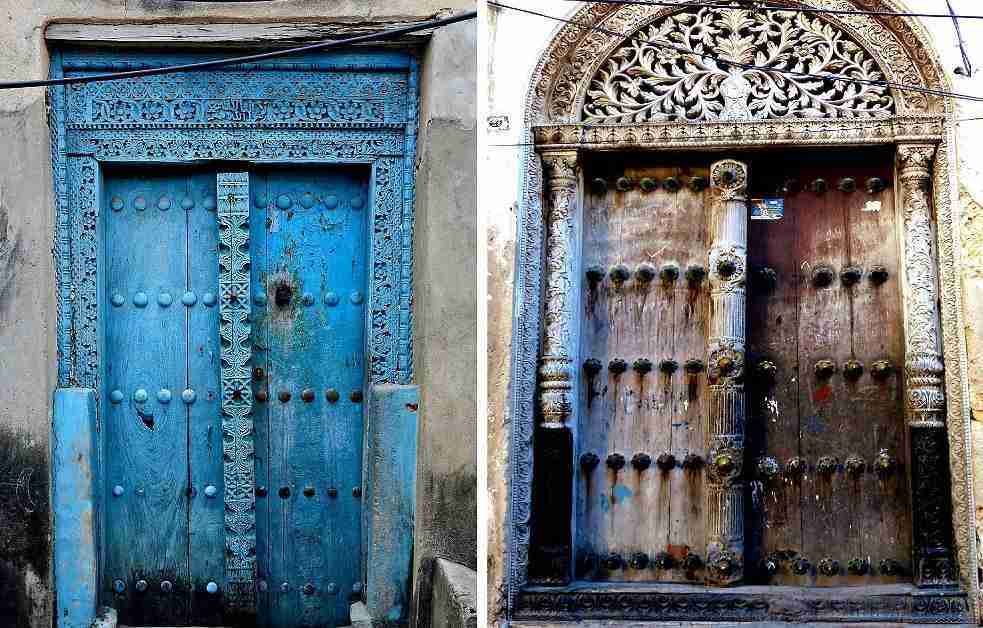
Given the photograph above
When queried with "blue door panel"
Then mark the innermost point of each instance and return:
(309, 374)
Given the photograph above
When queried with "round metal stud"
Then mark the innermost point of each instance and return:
(885, 464)
(189, 298)
(357, 202)
(164, 203)
(592, 367)
(284, 587)
(599, 185)
(209, 203)
(694, 366)
(284, 492)
(724, 564)
(819, 186)
(117, 491)
(187, 203)
(695, 274)
(261, 491)
(356, 297)
(826, 465)
(878, 275)
(726, 268)
(283, 202)
(723, 463)
(307, 200)
(645, 272)
(768, 468)
(116, 203)
(118, 300)
(669, 273)
(801, 566)
(140, 492)
(881, 369)
(308, 299)
(307, 395)
(796, 466)
(725, 364)
(824, 368)
(875, 185)
(331, 395)
(648, 184)
(309, 491)
(692, 562)
(140, 395)
(766, 370)
(853, 369)
(140, 586)
(262, 585)
(209, 299)
(260, 298)
(664, 561)
(857, 566)
(595, 274)
(283, 396)
(140, 299)
(623, 184)
(770, 565)
(589, 461)
(855, 466)
(211, 491)
(666, 461)
(672, 184)
(822, 276)
(164, 299)
(615, 462)
(260, 201)
(890, 567)
(166, 586)
(765, 279)
(791, 187)
(188, 396)
(668, 366)
(211, 588)
(642, 366)
(332, 492)
(612, 561)
(332, 588)
(829, 567)
(847, 184)
(641, 461)
(331, 202)
(638, 560)
(692, 462)
(619, 273)
(262, 395)
(617, 366)
(139, 203)
(119, 586)
(851, 275)
(164, 395)
(116, 396)
(356, 396)
(331, 299)
(356, 492)
(698, 184)
(308, 589)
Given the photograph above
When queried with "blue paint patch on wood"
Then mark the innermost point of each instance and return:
(390, 474)
(75, 473)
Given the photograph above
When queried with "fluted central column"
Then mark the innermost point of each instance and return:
(925, 399)
(725, 364)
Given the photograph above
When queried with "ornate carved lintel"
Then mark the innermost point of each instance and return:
(725, 370)
(925, 406)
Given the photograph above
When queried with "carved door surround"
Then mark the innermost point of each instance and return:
(322, 110)
(594, 92)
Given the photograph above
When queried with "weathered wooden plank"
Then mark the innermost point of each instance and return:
(199, 302)
(147, 448)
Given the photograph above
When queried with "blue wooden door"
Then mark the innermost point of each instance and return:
(164, 557)
(308, 241)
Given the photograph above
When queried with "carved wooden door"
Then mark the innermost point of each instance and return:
(827, 448)
(218, 501)
(641, 441)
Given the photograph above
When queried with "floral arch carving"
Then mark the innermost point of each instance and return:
(600, 89)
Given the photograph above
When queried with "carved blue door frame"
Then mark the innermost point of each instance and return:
(325, 110)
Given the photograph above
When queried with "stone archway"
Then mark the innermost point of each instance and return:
(584, 99)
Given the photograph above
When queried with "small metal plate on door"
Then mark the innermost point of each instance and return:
(767, 208)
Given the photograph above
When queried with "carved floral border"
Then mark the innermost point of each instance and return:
(557, 89)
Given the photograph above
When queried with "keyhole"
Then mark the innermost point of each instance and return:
(283, 295)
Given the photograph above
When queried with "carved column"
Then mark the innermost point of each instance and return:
(925, 402)
(552, 499)
(725, 371)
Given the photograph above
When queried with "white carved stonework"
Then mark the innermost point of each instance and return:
(681, 67)
(725, 372)
(923, 361)
(555, 361)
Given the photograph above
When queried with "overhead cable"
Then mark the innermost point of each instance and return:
(206, 65)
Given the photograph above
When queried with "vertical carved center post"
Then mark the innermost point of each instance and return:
(725, 370)
(925, 402)
(550, 551)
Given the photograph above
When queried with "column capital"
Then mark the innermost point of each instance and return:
(560, 165)
(915, 161)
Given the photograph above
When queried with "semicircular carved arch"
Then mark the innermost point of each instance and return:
(574, 65)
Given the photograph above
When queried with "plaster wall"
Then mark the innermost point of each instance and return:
(515, 42)
(444, 233)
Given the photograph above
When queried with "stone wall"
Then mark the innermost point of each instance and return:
(515, 42)
(444, 234)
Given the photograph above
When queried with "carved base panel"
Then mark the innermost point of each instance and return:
(891, 603)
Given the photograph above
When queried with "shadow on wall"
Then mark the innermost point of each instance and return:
(24, 530)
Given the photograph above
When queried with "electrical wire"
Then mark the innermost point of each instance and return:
(833, 78)
(752, 4)
(205, 65)
(967, 67)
